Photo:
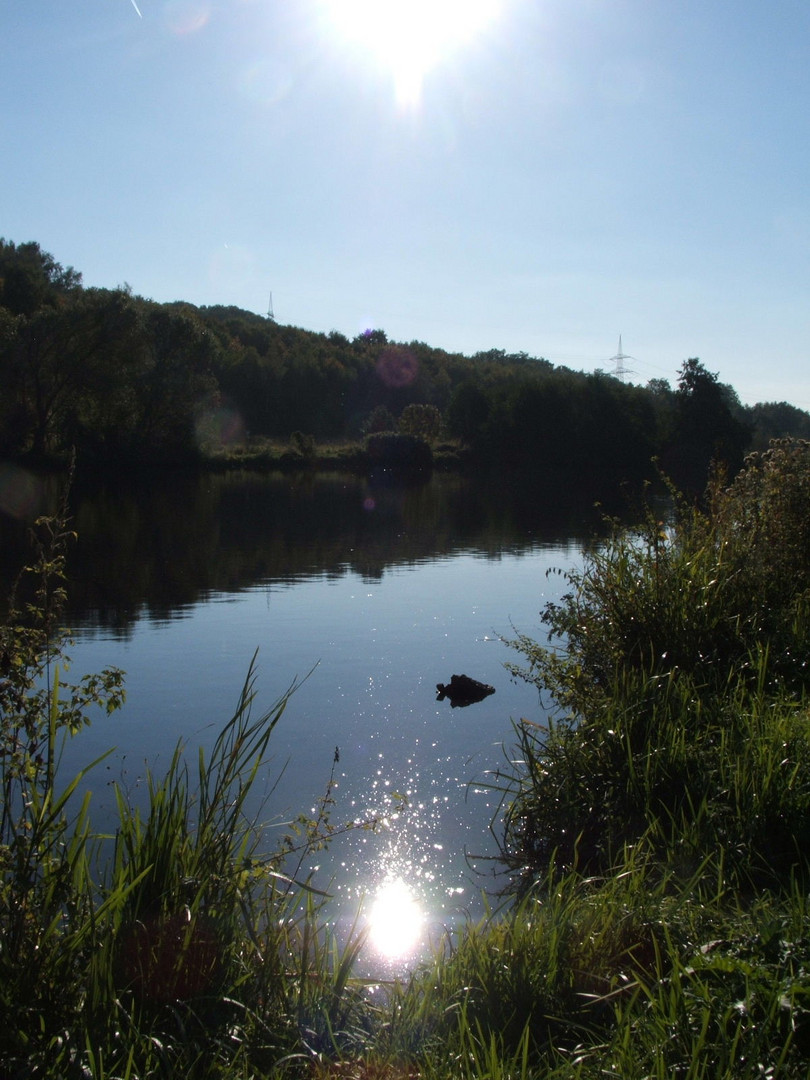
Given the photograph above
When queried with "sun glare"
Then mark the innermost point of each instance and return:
(408, 38)
(395, 919)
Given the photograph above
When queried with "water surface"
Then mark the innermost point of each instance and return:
(369, 593)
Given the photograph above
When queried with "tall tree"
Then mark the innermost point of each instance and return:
(30, 278)
(706, 428)
(176, 379)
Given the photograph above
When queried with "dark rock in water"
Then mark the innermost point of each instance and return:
(463, 691)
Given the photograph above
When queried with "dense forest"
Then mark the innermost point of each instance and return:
(121, 380)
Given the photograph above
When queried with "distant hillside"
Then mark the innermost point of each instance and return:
(121, 379)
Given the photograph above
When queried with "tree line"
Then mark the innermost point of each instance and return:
(119, 379)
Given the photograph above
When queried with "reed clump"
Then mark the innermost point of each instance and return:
(677, 663)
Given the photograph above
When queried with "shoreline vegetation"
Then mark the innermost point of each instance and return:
(119, 382)
(655, 829)
(656, 832)
(389, 450)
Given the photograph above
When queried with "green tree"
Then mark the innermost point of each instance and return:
(30, 278)
(175, 378)
(379, 419)
(777, 420)
(43, 366)
(468, 412)
(63, 373)
(425, 421)
(706, 428)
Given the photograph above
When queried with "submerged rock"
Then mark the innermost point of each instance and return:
(463, 691)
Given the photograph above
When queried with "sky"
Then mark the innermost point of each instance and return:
(538, 176)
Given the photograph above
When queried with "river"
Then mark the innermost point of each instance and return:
(368, 593)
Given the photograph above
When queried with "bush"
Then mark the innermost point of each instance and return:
(677, 665)
(425, 421)
(765, 519)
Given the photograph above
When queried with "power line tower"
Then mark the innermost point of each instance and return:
(621, 370)
(272, 317)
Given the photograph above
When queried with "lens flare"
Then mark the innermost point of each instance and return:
(397, 367)
(186, 16)
(219, 426)
(21, 493)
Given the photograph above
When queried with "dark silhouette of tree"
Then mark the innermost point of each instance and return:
(30, 278)
(706, 429)
(776, 420)
(120, 378)
(468, 412)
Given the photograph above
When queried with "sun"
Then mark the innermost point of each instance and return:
(408, 38)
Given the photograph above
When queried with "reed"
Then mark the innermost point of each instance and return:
(656, 832)
(178, 943)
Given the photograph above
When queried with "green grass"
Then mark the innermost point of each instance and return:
(655, 832)
(303, 453)
(268, 454)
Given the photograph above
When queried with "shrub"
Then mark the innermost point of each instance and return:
(379, 419)
(677, 666)
(765, 520)
(425, 421)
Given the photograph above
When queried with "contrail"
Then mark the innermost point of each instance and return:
(137, 9)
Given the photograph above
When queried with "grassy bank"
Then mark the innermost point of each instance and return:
(656, 833)
(362, 456)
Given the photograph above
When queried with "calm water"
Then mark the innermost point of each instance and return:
(373, 593)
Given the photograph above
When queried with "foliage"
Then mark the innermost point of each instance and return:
(180, 946)
(764, 516)
(423, 421)
(46, 911)
(117, 379)
(380, 419)
(126, 381)
(709, 426)
(627, 974)
(687, 775)
(303, 445)
(677, 662)
(705, 596)
(30, 278)
(777, 419)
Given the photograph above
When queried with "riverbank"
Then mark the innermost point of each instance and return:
(356, 457)
(656, 835)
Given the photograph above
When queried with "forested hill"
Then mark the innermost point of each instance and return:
(121, 379)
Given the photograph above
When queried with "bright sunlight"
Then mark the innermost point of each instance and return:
(408, 38)
(395, 919)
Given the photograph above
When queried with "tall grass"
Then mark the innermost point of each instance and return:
(655, 831)
(635, 973)
(674, 663)
(691, 775)
(177, 944)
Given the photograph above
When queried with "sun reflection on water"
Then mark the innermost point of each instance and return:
(396, 920)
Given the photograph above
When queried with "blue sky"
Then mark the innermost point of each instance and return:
(558, 174)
